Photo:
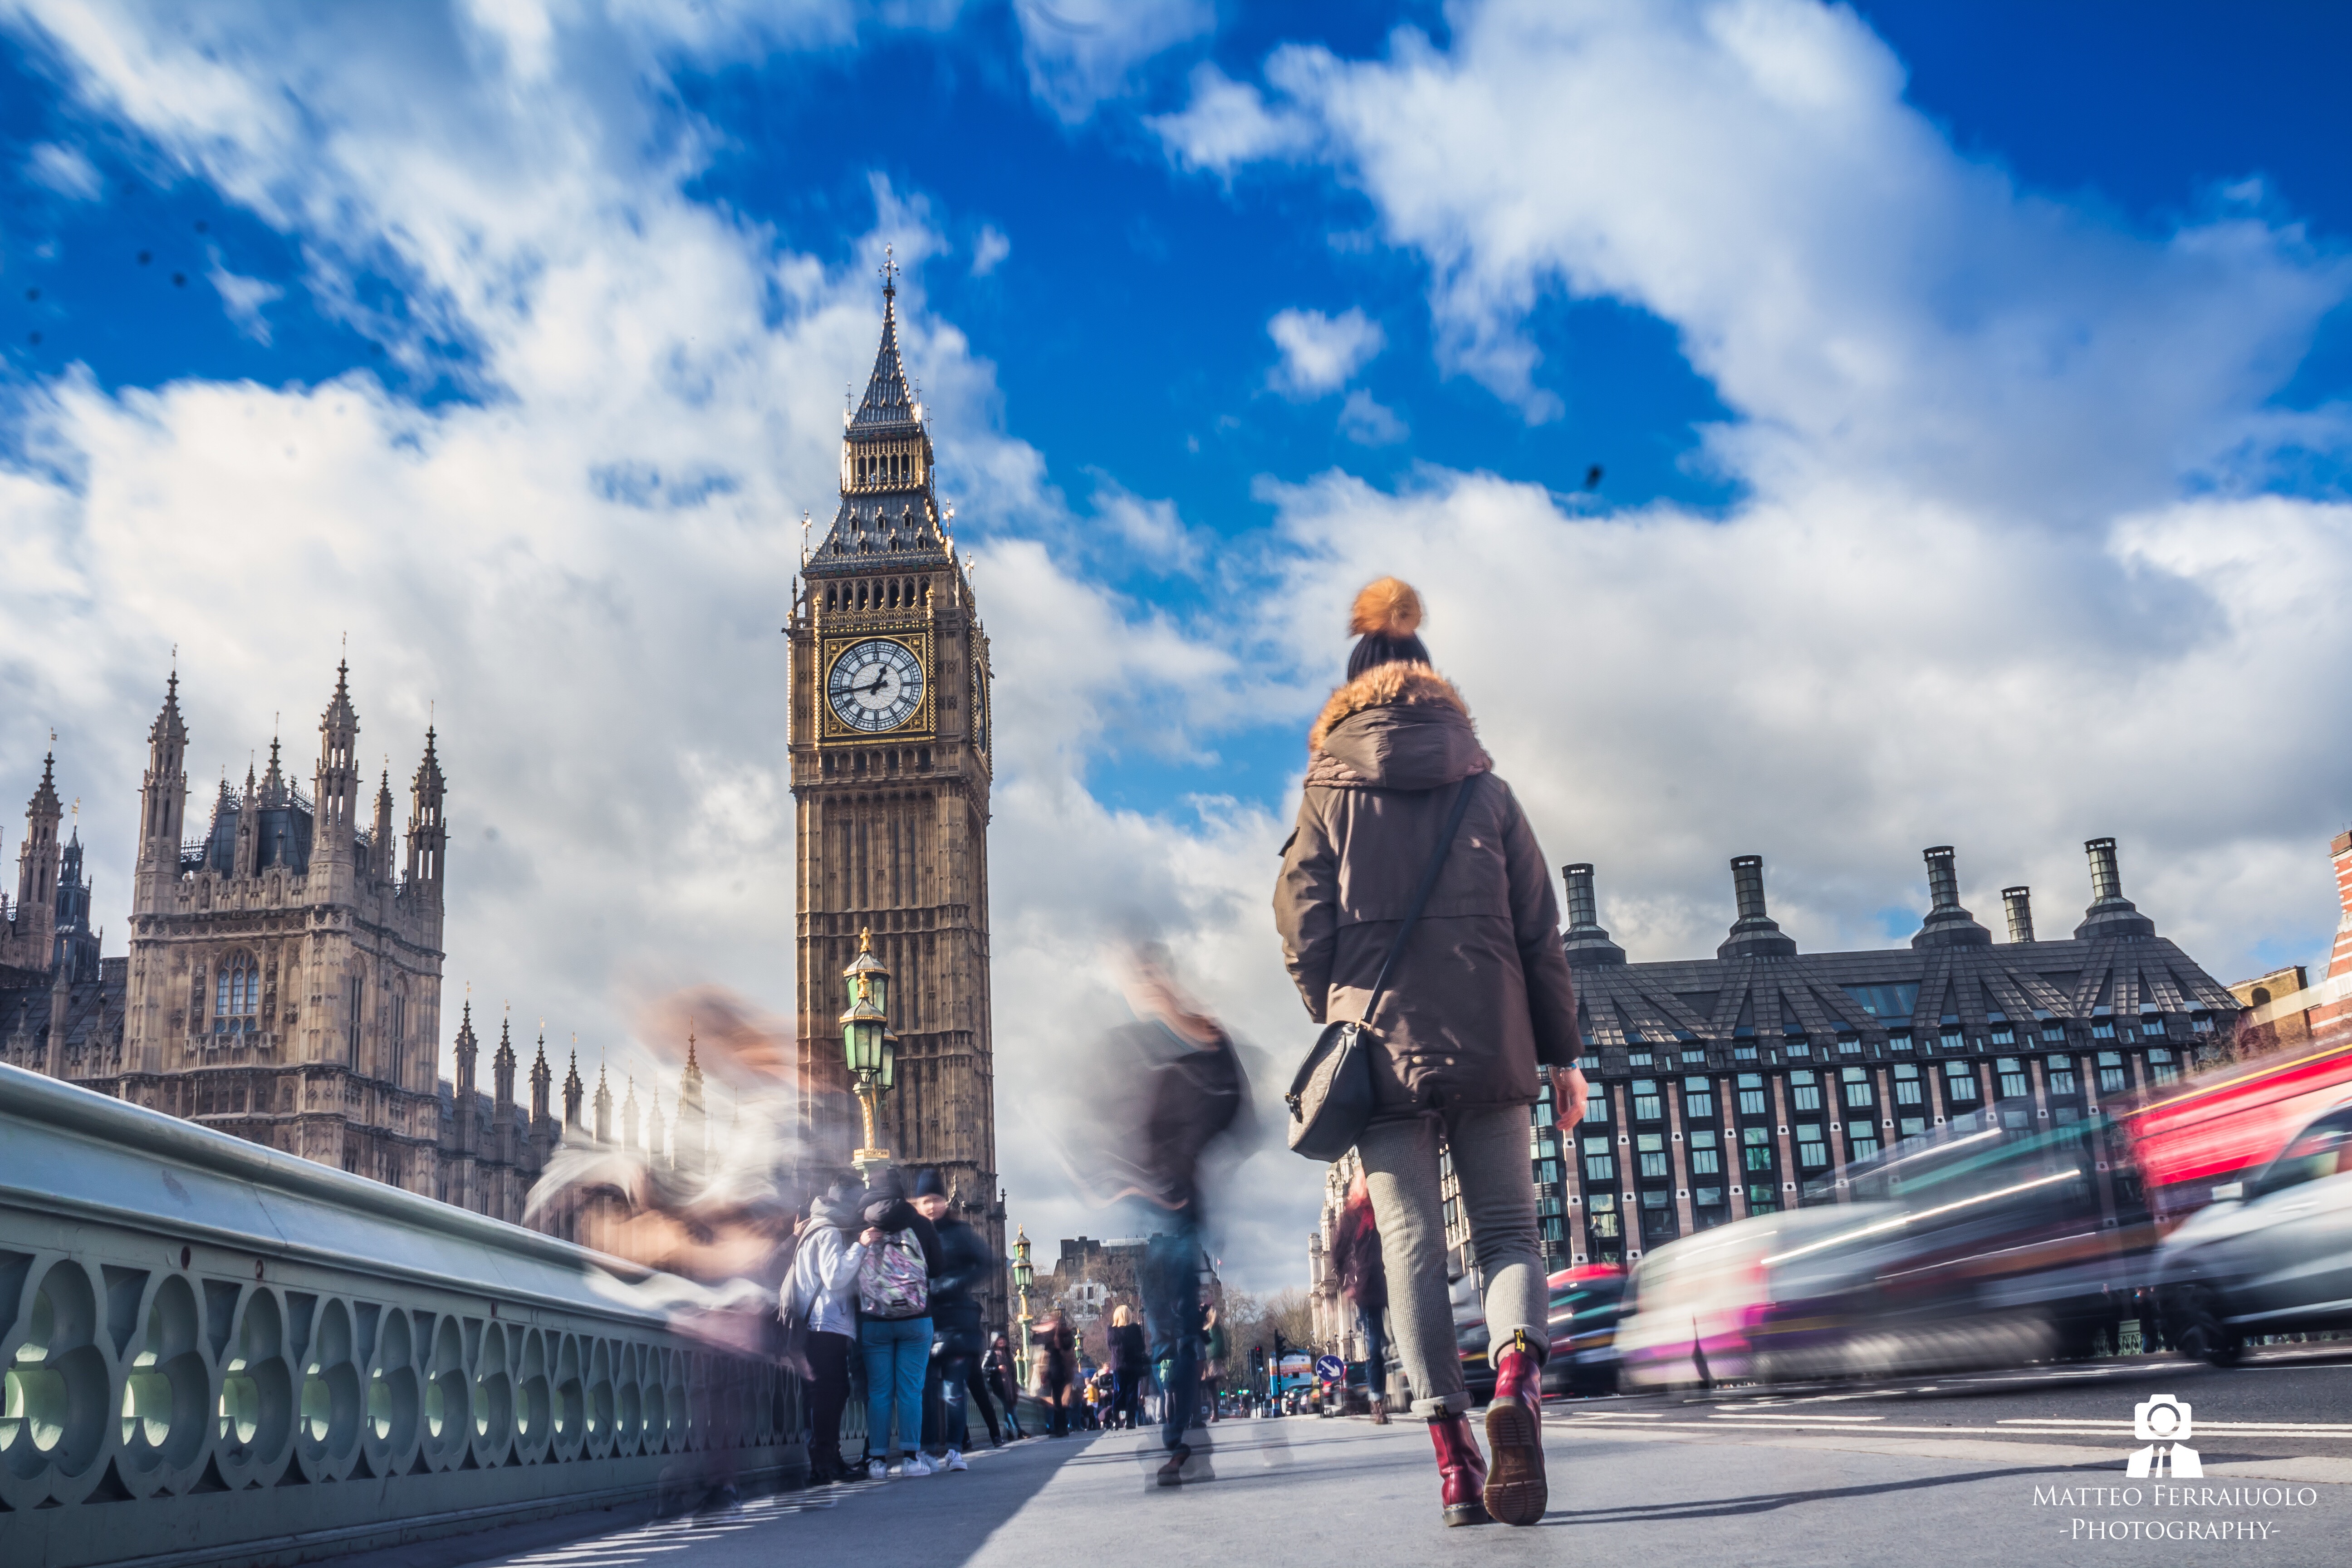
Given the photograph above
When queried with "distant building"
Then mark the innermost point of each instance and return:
(2264, 989)
(1748, 1082)
(284, 977)
(2286, 1008)
(1091, 1277)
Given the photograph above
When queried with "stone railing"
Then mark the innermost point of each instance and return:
(216, 1353)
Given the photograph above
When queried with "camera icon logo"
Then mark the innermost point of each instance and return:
(2160, 1419)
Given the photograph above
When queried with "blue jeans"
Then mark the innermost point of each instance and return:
(897, 1351)
(1171, 1310)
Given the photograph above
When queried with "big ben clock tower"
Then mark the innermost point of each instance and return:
(890, 775)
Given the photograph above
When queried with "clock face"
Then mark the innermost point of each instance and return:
(876, 686)
(980, 709)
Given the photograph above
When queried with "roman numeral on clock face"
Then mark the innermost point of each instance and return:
(876, 685)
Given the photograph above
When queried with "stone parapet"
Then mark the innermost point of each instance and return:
(216, 1353)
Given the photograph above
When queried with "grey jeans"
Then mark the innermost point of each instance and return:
(1489, 1145)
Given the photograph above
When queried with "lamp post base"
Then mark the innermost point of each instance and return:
(868, 1161)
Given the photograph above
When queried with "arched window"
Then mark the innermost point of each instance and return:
(396, 1050)
(237, 996)
(355, 994)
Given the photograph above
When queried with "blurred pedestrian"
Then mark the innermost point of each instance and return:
(1195, 1109)
(1213, 1348)
(1004, 1382)
(1130, 1362)
(1058, 1366)
(1363, 1283)
(900, 1257)
(820, 1293)
(966, 1264)
(1477, 1002)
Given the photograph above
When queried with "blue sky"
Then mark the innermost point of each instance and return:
(1967, 387)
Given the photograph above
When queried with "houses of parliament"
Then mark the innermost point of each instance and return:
(284, 982)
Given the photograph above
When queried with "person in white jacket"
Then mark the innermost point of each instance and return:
(822, 1291)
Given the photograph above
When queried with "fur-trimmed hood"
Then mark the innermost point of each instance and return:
(1396, 726)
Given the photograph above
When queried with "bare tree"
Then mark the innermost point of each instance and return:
(1293, 1311)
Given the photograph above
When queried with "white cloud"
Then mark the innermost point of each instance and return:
(1839, 682)
(1227, 124)
(1968, 597)
(1868, 300)
(584, 569)
(989, 252)
(65, 170)
(1080, 52)
(243, 299)
(1320, 353)
(1369, 423)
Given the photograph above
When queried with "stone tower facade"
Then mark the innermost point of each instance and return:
(285, 966)
(28, 925)
(890, 774)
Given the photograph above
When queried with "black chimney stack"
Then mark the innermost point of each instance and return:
(2018, 902)
(1586, 943)
(1947, 924)
(1754, 934)
(2110, 914)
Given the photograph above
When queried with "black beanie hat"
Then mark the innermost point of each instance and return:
(929, 1183)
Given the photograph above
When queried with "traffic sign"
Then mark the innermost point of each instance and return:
(1330, 1368)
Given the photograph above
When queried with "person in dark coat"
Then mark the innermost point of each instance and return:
(966, 1265)
(1479, 1003)
(1130, 1362)
(1004, 1377)
(1061, 1365)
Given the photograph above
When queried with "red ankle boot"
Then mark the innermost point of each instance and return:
(1462, 1469)
(1516, 1492)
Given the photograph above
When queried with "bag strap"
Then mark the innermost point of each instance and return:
(1421, 894)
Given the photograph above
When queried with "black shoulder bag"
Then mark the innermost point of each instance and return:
(1330, 1096)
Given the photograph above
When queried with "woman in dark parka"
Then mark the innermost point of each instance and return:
(1479, 1004)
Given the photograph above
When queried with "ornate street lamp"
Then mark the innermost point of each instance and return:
(869, 1045)
(1023, 1274)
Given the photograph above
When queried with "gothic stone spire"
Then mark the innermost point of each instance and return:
(889, 514)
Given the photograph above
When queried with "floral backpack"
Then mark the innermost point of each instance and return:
(891, 1279)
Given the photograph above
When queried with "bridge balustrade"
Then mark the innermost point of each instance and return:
(216, 1353)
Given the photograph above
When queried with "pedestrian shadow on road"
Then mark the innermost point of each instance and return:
(1771, 1503)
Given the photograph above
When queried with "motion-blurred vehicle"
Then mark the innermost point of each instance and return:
(1471, 1338)
(1585, 1302)
(2272, 1253)
(1968, 1248)
(1692, 1308)
(1582, 1329)
(2227, 1123)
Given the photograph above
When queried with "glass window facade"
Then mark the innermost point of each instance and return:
(1698, 1099)
(1600, 1162)
(2113, 1078)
